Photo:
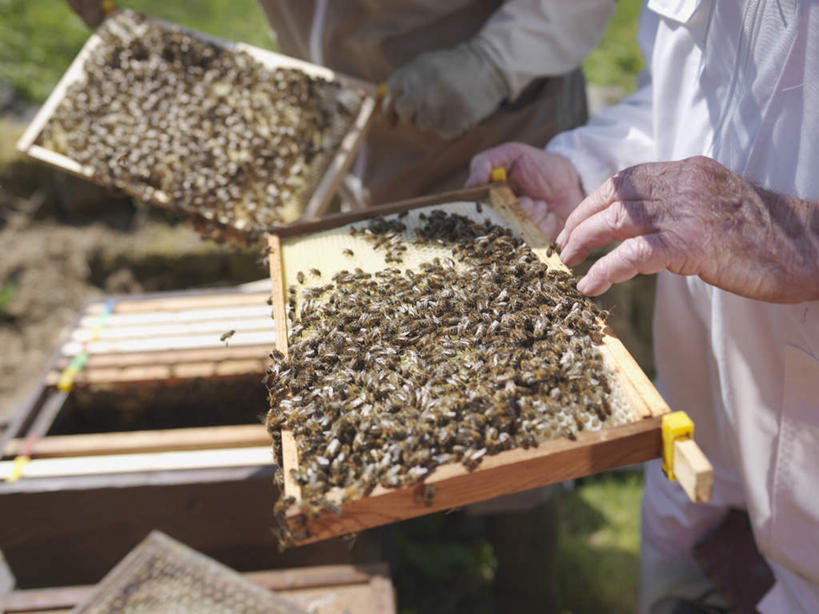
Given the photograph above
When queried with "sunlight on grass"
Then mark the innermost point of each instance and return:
(599, 545)
(617, 59)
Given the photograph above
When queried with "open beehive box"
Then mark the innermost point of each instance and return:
(568, 444)
(234, 138)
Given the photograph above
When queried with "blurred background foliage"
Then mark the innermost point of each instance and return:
(39, 38)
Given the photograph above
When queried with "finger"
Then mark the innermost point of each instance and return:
(617, 222)
(645, 255)
(502, 156)
(547, 221)
(598, 200)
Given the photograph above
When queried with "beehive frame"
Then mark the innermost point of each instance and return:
(504, 473)
(325, 188)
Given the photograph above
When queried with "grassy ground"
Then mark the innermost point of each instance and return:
(444, 563)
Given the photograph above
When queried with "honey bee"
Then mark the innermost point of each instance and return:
(226, 335)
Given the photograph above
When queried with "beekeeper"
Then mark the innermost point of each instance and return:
(730, 218)
(462, 75)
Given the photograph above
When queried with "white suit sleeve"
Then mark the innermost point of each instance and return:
(618, 136)
(527, 39)
(615, 138)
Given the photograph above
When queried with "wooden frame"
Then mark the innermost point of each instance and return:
(500, 474)
(325, 188)
(297, 584)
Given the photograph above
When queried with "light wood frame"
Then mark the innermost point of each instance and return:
(504, 473)
(326, 187)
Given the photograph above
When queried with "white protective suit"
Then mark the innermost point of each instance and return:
(737, 81)
(527, 40)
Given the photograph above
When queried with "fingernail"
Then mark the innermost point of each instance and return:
(560, 238)
(584, 285)
(566, 256)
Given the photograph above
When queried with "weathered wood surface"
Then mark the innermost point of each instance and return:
(194, 438)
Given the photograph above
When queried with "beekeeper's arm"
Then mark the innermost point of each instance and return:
(550, 183)
(450, 90)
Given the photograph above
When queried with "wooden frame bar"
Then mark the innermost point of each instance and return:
(324, 190)
(510, 471)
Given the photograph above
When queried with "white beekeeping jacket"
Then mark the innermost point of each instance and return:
(737, 81)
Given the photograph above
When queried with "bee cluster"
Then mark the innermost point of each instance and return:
(394, 373)
(210, 131)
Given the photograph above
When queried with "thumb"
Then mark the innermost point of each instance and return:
(480, 168)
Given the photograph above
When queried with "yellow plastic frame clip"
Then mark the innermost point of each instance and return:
(677, 426)
(17, 469)
(498, 175)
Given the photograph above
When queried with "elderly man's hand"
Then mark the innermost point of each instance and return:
(695, 217)
(547, 185)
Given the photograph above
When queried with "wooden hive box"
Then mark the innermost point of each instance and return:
(321, 190)
(137, 348)
(500, 474)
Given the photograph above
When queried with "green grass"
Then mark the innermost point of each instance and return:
(444, 563)
(599, 546)
(617, 59)
(39, 38)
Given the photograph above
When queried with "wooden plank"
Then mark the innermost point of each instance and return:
(654, 402)
(197, 438)
(319, 576)
(340, 219)
(290, 455)
(181, 303)
(277, 292)
(290, 460)
(169, 357)
(455, 486)
(693, 471)
(341, 161)
(176, 342)
(129, 463)
(167, 373)
(163, 317)
(217, 327)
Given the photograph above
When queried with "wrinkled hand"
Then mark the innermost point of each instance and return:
(695, 217)
(546, 184)
(92, 12)
(446, 91)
